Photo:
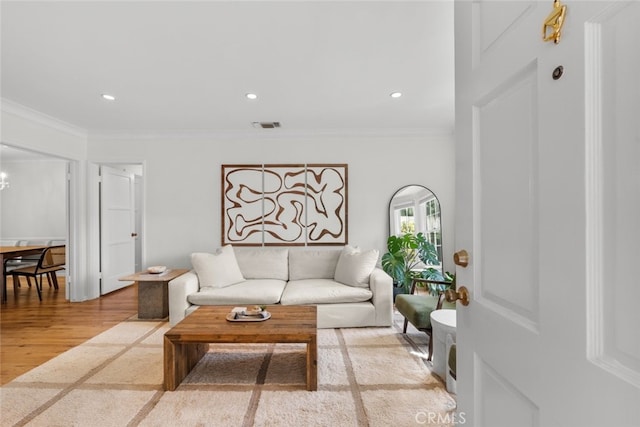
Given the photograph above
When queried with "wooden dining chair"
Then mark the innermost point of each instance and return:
(33, 258)
(24, 261)
(51, 260)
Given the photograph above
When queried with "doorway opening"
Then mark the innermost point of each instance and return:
(35, 203)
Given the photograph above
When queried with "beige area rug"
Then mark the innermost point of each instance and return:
(366, 377)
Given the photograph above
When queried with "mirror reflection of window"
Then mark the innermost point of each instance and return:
(431, 210)
(404, 219)
(415, 209)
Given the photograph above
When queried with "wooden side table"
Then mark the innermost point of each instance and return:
(153, 292)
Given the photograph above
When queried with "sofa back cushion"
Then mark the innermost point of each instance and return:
(263, 263)
(312, 264)
(354, 266)
(217, 270)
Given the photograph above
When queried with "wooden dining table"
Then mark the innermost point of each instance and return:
(7, 252)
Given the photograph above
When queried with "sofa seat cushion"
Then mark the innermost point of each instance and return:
(254, 291)
(322, 291)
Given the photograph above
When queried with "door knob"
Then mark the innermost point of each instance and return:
(461, 258)
(134, 234)
(461, 294)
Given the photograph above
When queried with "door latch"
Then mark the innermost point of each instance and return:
(554, 21)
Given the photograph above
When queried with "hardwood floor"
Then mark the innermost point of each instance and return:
(32, 332)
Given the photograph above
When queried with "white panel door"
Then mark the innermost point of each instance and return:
(548, 201)
(138, 184)
(117, 228)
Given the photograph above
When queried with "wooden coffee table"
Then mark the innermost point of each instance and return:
(188, 341)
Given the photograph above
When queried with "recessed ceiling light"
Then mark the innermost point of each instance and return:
(251, 96)
(108, 97)
(396, 94)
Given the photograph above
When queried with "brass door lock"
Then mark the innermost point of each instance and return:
(461, 294)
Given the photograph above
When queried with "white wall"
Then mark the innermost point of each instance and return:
(34, 206)
(182, 182)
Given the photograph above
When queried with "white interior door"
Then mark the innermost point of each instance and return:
(138, 183)
(117, 228)
(548, 201)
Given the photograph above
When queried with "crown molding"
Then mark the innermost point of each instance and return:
(273, 134)
(11, 107)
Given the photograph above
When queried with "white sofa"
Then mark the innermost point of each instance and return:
(345, 284)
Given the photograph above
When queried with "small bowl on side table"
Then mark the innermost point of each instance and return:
(157, 269)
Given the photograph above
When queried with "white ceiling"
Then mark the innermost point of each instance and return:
(180, 66)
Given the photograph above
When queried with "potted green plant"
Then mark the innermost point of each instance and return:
(408, 256)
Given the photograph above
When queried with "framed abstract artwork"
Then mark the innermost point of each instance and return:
(284, 204)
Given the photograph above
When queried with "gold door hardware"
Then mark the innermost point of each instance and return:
(461, 258)
(554, 21)
(461, 294)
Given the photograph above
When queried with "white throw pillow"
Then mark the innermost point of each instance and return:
(217, 270)
(354, 267)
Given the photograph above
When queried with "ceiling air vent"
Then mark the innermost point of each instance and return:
(266, 125)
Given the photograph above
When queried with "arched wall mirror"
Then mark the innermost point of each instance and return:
(416, 209)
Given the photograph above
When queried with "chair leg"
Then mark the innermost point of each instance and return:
(404, 328)
(39, 287)
(49, 279)
(430, 345)
(4, 282)
(54, 279)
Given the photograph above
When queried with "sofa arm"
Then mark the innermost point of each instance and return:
(179, 289)
(381, 284)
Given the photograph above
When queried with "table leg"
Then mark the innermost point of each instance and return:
(312, 364)
(179, 359)
(153, 300)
